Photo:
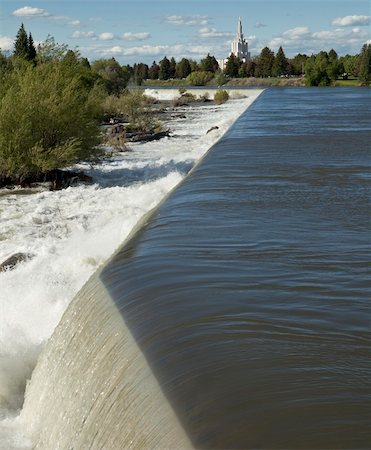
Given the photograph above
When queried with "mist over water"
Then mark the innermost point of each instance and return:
(71, 232)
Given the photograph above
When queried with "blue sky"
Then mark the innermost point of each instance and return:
(143, 31)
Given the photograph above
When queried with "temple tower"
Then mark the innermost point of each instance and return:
(240, 47)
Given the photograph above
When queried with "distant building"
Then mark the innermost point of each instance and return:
(239, 47)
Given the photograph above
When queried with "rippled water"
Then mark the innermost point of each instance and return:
(248, 289)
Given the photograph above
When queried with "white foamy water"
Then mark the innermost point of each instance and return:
(71, 232)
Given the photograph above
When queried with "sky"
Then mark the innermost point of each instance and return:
(146, 30)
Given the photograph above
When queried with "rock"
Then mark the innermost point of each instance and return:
(211, 129)
(141, 137)
(11, 262)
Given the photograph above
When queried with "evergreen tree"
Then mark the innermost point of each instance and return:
(332, 55)
(264, 63)
(232, 66)
(31, 49)
(153, 71)
(280, 64)
(21, 46)
(172, 70)
(364, 74)
(209, 64)
(164, 73)
(183, 68)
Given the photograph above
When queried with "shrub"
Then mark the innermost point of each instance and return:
(199, 78)
(220, 97)
(47, 120)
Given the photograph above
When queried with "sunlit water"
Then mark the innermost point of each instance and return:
(247, 292)
(71, 232)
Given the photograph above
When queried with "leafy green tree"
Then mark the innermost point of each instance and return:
(183, 68)
(164, 73)
(232, 66)
(317, 70)
(50, 50)
(209, 64)
(21, 45)
(350, 64)
(114, 77)
(364, 74)
(47, 120)
(153, 71)
(264, 63)
(280, 65)
(140, 73)
(298, 63)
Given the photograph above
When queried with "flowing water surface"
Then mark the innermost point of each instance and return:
(247, 291)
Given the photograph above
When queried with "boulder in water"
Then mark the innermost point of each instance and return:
(11, 262)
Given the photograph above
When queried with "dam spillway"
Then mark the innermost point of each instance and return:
(237, 315)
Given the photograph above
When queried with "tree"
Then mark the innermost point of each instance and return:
(365, 65)
(47, 120)
(114, 77)
(153, 71)
(50, 50)
(209, 64)
(172, 69)
(264, 63)
(250, 66)
(21, 45)
(298, 63)
(183, 68)
(164, 73)
(140, 73)
(232, 66)
(317, 70)
(280, 64)
(31, 48)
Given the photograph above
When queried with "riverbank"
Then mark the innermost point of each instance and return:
(73, 231)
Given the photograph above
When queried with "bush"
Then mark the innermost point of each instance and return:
(220, 97)
(199, 78)
(47, 120)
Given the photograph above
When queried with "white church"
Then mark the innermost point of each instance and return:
(239, 47)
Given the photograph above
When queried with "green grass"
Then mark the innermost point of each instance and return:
(347, 83)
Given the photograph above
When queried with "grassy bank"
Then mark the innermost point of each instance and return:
(250, 82)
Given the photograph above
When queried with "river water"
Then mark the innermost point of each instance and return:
(248, 290)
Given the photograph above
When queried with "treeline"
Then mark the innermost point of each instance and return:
(321, 69)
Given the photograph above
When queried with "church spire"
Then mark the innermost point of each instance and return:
(239, 28)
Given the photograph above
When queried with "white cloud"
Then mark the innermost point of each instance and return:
(106, 36)
(196, 20)
(136, 36)
(82, 34)
(6, 43)
(350, 21)
(301, 39)
(29, 11)
(74, 23)
(296, 33)
(213, 33)
(259, 25)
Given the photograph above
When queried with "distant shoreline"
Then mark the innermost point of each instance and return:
(245, 83)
